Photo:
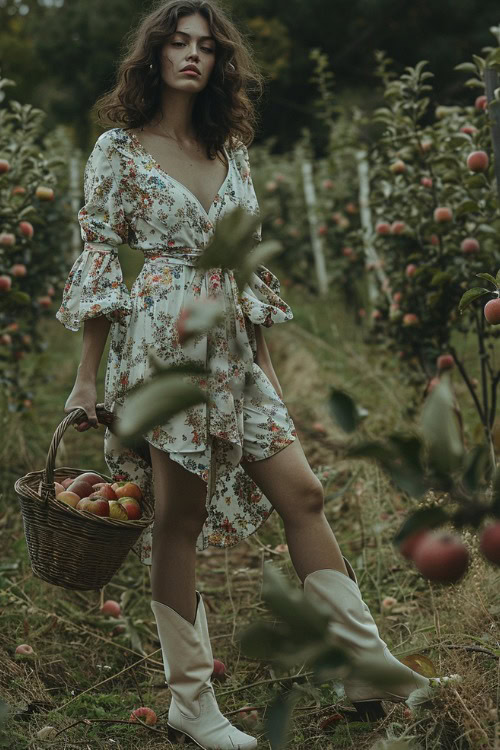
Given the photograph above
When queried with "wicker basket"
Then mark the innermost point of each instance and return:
(73, 548)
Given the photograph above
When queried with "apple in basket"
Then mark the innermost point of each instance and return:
(116, 510)
(127, 489)
(132, 507)
(58, 488)
(66, 482)
(82, 489)
(90, 477)
(105, 489)
(98, 505)
(70, 498)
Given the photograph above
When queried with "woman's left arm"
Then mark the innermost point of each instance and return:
(263, 359)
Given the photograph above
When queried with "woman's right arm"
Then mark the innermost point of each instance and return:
(84, 393)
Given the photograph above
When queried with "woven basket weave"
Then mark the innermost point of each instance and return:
(73, 548)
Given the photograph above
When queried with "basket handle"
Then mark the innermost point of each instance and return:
(47, 489)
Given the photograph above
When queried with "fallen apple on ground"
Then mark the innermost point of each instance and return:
(146, 714)
(219, 671)
(441, 557)
(112, 608)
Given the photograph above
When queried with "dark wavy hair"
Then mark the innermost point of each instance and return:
(222, 111)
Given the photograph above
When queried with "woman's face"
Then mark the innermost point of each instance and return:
(191, 44)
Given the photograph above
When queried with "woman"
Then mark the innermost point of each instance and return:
(216, 480)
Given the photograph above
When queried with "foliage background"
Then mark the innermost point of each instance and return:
(62, 55)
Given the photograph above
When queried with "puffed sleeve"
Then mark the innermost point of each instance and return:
(95, 283)
(260, 298)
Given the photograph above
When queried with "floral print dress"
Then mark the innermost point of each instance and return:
(130, 199)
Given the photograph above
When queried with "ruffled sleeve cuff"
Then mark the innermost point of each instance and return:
(260, 299)
(95, 287)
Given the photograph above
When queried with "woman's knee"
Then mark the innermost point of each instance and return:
(308, 500)
(171, 521)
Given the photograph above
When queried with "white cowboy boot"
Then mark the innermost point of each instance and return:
(189, 664)
(353, 626)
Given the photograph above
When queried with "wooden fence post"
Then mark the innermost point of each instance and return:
(491, 83)
(367, 229)
(316, 243)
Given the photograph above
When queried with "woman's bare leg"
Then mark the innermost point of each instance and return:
(286, 479)
(179, 516)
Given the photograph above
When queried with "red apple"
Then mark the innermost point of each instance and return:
(426, 182)
(481, 102)
(489, 542)
(397, 297)
(4, 166)
(409, 544)
(249, 716)
(383, 227)
(117, 511)
(468, 129)
(25, 650)
(441, 557)
(445, 362)
(44, 301)
(82, 488)
(492, 311)
(398, 227)
(105, 489)
(70, 498)
(66, 482)
(328, 184)
(322, 230)
(469, 245)
(58, 488)
(127, 489)
(398, 167)
(18, 269)
(97, 505)
(44, 193)
(111, 608)
(90, 477)
(145, 714)
(478, 161)
(410, 270)
(434, 239)
(410, 319)
(443, 214)
(26, 228)
(219, 671)
(5, 283)
(132, 507)
(7, 239)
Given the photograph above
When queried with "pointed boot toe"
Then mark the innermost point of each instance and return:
(354, 627)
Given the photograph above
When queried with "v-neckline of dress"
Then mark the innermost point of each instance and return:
(220, 191)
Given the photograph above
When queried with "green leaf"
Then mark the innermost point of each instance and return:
(441, 277)
(262, 640)
(471, 295)
(476, 467)
(20, 297)
(488, 277)
(424, 518)
(485, 228)
(307, 620)
(467, 207)
(399, 459)
(498, 278)
(467, 66)
(278, 719)
(440, 431)
(495, 505)
(343, 410)
(154, 403)
(474, 83)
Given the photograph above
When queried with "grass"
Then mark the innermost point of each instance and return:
(87, 678)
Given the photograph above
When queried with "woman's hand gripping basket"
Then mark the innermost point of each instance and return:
(67, 547)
